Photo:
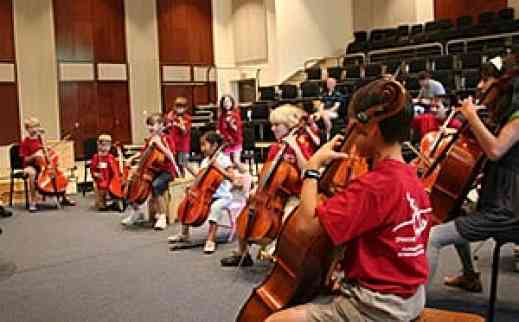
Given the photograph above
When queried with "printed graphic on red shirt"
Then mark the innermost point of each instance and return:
(383, 218)
(409, 233)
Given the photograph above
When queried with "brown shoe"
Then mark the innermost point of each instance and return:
(470, 282)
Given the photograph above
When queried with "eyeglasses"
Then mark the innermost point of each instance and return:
(180, 105)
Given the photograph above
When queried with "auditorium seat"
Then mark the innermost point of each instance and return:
(402, 35)
(445, 62)
(372, 71)
(313, 73)
(288, 91)
(447, 78)
(335, 72)
(392, 66)
(267, 93)
(470, 79)
(353, 72)
(412, 85)
(417, 65)
(310, 89)
(470, 61)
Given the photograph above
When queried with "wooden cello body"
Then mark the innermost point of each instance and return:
(194, 208)
(304, 252)
(50, 181)
(460, 162)
(138, 187)
(118, 181)
(260, 220)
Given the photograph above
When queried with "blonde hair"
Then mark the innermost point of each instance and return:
(181, 100)
(154, 119)
(287, 114)
(31, 122)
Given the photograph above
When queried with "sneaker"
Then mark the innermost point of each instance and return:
(470, 282)
(161, 223)
(210, 247)
(67, 202)
(235, 259)
(4, 212)
(33, 208)
(178, 238)
(131, 219)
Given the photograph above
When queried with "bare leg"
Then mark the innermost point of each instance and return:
(31, 173)
(213, 227)
(296, 314)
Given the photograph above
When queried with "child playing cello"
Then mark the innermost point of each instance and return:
(300, 147)
(161, 180)
(30, 152)
(210, 143)
(104, 167)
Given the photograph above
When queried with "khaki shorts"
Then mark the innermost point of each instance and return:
(339, 309)
(363, 305)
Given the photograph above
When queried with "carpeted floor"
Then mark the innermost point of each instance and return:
(80, 265)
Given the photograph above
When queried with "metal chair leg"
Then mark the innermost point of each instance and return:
(26, 189)
(84, 180)
(11, 190)
(493, 285)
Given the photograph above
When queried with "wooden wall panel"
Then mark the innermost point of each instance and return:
(93, 31)
(109, 36)
(453, 9)
(10, 129)
(6, 31)
(185, 31)
(74, 30)
(170, 92)
(114, 116)
(78, 104)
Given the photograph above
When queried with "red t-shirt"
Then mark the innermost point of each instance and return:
(307, 147)
(425, 123)
(167, 166)
(107, 166)
(233, 136)
(182, 140)
(383, 218)
(28, 147)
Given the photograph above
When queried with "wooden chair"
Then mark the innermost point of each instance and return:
(434, 315)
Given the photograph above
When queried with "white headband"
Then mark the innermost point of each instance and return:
(497, 62)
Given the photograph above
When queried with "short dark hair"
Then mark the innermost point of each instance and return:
(424, 75)
(212, 137)
(397, 128)
(489, 70)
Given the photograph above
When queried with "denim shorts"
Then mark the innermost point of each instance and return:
(160, 183)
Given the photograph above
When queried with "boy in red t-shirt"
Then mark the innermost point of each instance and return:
(160, 182)
(30, 151)
(180, 121)
(104, 167)
(383, 221)
(300, 148)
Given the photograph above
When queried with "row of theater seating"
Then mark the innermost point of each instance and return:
(435, 31)
(455, 72)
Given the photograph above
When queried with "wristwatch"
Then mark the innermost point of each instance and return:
(311, 174)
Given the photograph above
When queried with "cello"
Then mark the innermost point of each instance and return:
(194, 208)
(304, 252)
(138, 187)
(117, 183)
(50, 181)
(460, 162)
(260, 221)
